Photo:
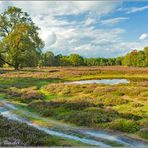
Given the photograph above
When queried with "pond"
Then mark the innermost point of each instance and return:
(100, 81)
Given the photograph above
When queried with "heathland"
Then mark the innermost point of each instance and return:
(119, 107)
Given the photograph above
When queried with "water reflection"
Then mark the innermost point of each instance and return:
(101, 81)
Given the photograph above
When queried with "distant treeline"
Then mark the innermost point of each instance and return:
(134, 58)
(77, 60)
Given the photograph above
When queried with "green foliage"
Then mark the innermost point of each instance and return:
(124, 125)
(76, 60)
(102, 61)
(136, 58)
(48, 58)
(92, 116)
(143, 133)
(29, 96)
(77, 105)
(19, 38)
(25, 95)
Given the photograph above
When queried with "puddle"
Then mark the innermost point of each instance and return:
(101, 81)
(11, 116)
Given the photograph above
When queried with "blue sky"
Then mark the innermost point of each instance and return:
(89, 28)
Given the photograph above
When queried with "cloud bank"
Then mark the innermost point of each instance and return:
(80, 27)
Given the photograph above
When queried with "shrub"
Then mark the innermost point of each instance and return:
(103, 91)
(143, 122)
(92, 116)
(119, 93)
(143, 133)
(109, 101)
(45, 108)
(144, 94)
(65, 91)
(124, 125)
(79, 105)
(29, 96)
(137, 104)
(15, 92)
(130, 116)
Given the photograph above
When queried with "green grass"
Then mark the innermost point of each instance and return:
(7, 82)
(111, 76)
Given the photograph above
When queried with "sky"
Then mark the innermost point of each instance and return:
(89, 28)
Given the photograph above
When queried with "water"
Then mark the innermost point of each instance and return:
(8, 105)
(2, 109)
(14, 117)
(123, 140)
(101, 81)
(87, 136)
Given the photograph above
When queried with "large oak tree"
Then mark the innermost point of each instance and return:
(19, 39)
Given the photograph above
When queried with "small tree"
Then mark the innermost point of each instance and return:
(48, 58)
(146, 56)
(76, 60)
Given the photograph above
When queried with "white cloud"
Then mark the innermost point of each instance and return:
(136, 9)
(64, 7)
(77, 36)
(133, 9)
(113, 21)
(143, 36)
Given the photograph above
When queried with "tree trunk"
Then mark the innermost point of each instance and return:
(16, 65)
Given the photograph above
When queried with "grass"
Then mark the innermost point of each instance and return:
(121, 107)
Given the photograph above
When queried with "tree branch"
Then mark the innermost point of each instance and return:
(6, 62)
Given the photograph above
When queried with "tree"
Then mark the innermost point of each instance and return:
(133, 57)
(57, 60)
(118, 61)
(64, 61)
(48, 58)
(146, 56)
(76, 60)
(19, 37)
(141, 59)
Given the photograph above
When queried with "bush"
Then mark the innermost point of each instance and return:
(29, 96)
(143, 133)
(92, 116)
(46, 108)
(109, 101)
(15, 92)
(119, 93)
(124, 125)
(79, 105)
(130, 116)
(143, 122)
